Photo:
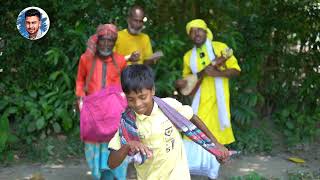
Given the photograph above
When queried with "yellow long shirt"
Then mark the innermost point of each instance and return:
(128, 43)
(208, 109)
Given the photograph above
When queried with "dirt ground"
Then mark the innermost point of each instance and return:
(272, 167)
(275, 165)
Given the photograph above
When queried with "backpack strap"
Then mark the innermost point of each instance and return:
(115, 64)
(90, 74)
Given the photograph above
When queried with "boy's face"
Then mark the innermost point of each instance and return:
(142, 101)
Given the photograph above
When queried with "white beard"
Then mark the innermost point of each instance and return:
(105, 53)
(134, 31)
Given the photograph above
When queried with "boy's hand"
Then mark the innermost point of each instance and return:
(225, 152)
(136, 146)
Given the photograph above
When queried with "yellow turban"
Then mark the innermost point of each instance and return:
(199, 23)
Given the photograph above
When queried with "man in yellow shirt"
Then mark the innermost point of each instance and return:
(132, 43)
(211, 99)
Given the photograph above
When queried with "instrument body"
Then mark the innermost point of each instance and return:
(193, 82)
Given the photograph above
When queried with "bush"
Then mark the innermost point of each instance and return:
(252, 140)
(276, 43)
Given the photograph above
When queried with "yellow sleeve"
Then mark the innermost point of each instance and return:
(186, 64)
(185, 110)
(232, 62)
(116, 47)
(147, 50)
(115, 142)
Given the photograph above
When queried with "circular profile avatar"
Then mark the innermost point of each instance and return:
(33, 23)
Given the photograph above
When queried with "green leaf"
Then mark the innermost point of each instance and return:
(53, 55)
(67, 79)
(43, 135)
(12, 138)
(11, 110)
(3, 104)
(30, 105)
(287, 133)
(31, 127)
(35, 113)
(66, 121)
(285, 113)
(58, 103)
(50, 149)
(253, 100)
(40, 123)
(4, 133)
(49, 115)
(56, 127)
(28, 140)
(10, 156)
(300, 119)
(290, 125)
(53, 76)
(42, 92)
(50, 94)
(53, 99)
(32, 93)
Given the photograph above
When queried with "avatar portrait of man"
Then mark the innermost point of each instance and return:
(32, 23)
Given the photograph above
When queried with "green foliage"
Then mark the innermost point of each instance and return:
(168, 69)
(4, 125)
(250, 176)
(303, 175)
(252, 140)
(280, 64)
(298, 124)
(55, 149)
(276, 44)
(7, 139)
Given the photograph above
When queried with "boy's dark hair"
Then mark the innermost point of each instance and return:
(137, 77)
(32, 12)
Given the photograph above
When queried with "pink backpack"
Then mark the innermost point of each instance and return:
(100, 114)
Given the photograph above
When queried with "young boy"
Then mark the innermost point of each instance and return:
(159, 140)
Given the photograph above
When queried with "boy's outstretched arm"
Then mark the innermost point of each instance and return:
(197, 122)
(116, 157)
